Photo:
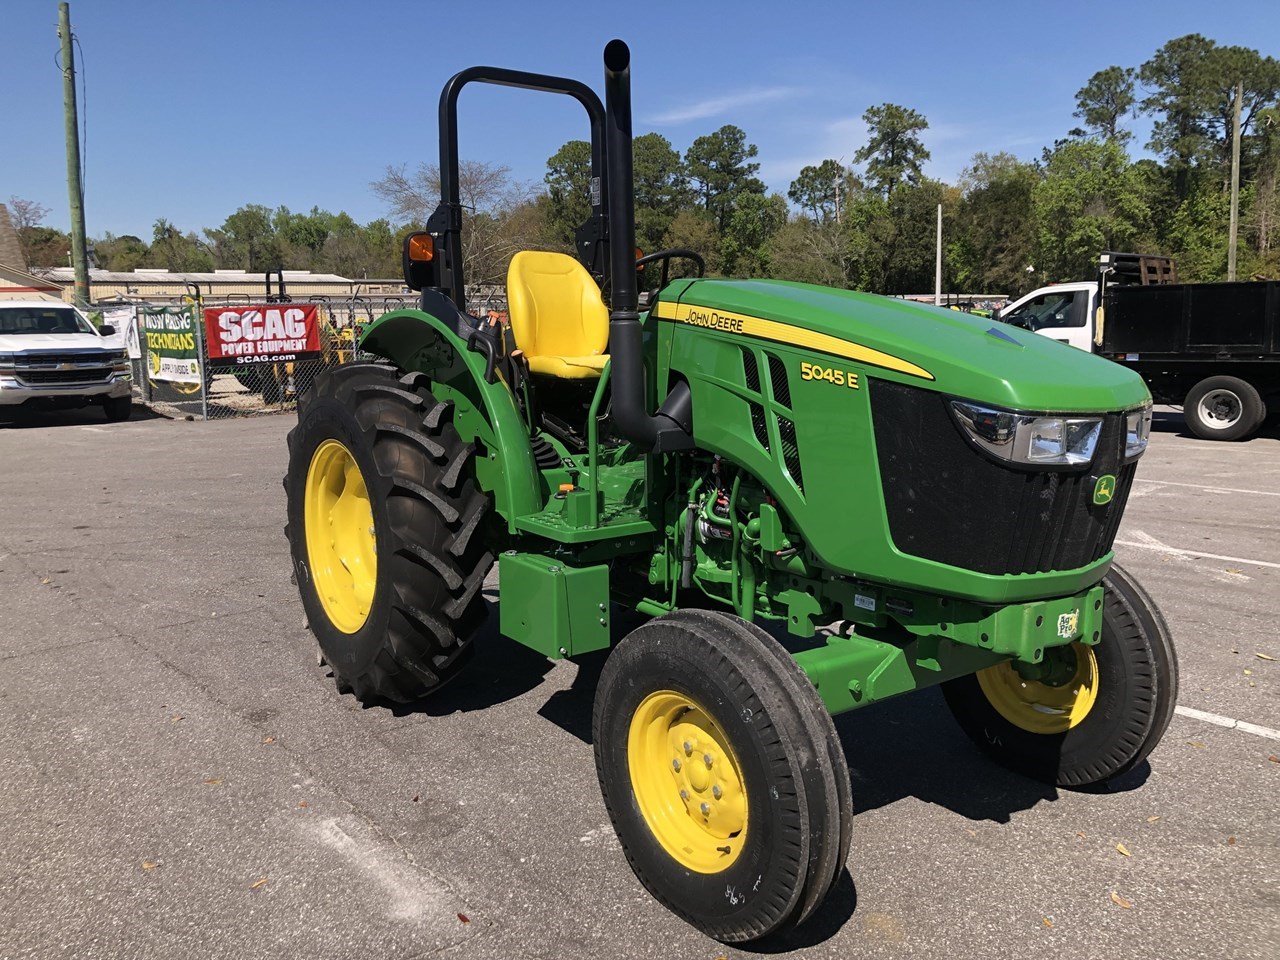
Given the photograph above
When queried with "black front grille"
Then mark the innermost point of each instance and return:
(948, 502)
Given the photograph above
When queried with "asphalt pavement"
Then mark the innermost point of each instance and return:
(182, 779)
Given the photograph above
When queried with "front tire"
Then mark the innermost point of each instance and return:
(383, 529)
(1224, 408)
(117, 409)
(1100, 719)
(721, 774)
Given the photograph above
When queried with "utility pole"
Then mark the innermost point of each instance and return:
(937, 269)
(839, 174)
(1235, 185)
(75, 189)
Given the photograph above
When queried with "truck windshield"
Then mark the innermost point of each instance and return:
(46, 320)
(1047, 310)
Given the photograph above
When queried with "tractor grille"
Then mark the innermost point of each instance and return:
(791, 451)
(778, 378)
(750, 370)
(775, 407)
(948, 502)
(758, 425)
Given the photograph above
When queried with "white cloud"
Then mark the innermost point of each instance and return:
(711, 106)
(832, 140)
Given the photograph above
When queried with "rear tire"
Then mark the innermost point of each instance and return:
(765, 850)
(395, 608)
(1224, 408)
(1134, 689)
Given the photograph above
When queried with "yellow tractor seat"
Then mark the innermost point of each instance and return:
(557, 316)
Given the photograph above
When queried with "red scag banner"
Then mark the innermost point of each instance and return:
(262, 334)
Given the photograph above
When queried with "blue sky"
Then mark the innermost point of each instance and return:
(193, 109)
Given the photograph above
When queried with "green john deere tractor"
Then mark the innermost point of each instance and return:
(712, 455)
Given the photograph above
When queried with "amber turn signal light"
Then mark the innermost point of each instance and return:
(421, 247)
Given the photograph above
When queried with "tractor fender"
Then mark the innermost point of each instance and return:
(433, 342)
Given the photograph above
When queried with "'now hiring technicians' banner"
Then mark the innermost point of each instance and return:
(262, 334)
(168, 335)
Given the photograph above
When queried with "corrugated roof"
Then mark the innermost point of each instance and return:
(67, 275)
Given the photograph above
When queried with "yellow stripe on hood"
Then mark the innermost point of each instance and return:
(729, 322)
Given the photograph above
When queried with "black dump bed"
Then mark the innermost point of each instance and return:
(1182, 321)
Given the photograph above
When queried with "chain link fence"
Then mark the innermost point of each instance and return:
(190, 385)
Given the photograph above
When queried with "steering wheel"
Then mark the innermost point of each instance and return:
(666, 256)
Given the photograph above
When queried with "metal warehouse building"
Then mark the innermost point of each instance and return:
(160, 286)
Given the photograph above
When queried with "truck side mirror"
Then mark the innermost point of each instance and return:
(107, 330)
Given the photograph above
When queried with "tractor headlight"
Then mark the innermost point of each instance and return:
(1029, 439)
(1137, 431)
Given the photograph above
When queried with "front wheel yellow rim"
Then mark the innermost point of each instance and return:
(687, 782)
(341, 545)
(1041, 707)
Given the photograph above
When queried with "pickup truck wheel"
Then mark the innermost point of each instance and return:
(715, 759)
(385, 529)
(1099, 717)
(1223, 408)
(117, 409)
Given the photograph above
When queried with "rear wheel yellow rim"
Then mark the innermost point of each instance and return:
(1041, 707)
(687, 782)
(341, 545)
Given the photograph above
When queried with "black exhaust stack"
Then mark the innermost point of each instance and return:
(670, 428)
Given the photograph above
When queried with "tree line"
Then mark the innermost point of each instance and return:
(1008, 224)
(254, 238)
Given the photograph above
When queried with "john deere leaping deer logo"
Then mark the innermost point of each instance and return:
(1104, 489)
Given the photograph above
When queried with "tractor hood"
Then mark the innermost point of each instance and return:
(945, 350)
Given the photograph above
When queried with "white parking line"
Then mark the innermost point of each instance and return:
(1221, 721)
(1211, 489)
(1150, 543)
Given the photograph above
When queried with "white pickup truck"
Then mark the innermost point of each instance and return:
(52, 356)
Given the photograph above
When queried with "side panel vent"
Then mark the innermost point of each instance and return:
(778, 376)
(758, 425)
(750, 370)
(791, 451)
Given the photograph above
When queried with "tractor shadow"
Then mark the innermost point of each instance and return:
(835, 911)
(906, 747)
(911, 747)
(500, 670)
